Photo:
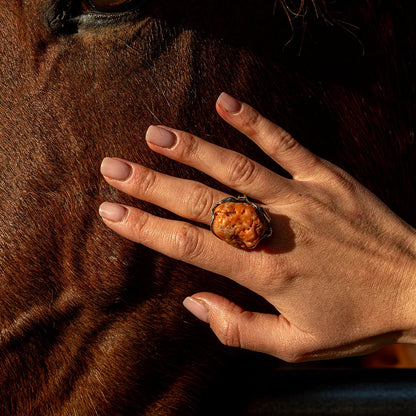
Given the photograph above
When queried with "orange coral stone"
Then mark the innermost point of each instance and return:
(239, 224)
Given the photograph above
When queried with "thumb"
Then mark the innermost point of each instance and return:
(235, 327)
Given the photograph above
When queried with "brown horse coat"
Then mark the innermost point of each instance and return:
(93, 324)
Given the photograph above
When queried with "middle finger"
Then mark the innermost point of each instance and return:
(229, 167)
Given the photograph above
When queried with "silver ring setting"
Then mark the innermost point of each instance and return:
(240, 222)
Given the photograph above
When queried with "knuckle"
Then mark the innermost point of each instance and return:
(342, 191)
(285, 142)
(346, 182)
(230, 335)
(138, 224)
(189, 146)
(338, 178)
(251, 122)
(187, 242)
(242, 170)
(145, 181)
(200, 202)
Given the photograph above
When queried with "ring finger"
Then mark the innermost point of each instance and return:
(183, 197)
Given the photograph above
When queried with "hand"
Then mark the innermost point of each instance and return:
(339, 267)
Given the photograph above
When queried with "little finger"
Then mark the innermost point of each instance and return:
(181, 241)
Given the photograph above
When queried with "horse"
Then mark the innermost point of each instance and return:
(93, 324)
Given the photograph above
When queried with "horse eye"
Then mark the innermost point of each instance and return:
(110, 5)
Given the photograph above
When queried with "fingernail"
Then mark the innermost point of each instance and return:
(197, 308)
(115, 169)
(160, 137)
(112, 212)
(229, 103)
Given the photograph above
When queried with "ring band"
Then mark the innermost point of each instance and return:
(240, 222)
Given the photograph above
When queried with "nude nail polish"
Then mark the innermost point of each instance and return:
(112, 212)
(115, 169)
(229, 104)
(161, 137)
(197, 308)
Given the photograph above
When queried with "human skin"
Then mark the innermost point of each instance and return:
(340, 266)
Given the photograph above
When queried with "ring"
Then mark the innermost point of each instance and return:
(240, 222)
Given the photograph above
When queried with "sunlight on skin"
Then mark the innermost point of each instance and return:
(363, 271)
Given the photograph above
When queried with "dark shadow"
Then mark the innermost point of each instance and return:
(283, 238)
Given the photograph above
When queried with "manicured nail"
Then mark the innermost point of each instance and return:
(112, 212)
(229, 103)
(160, 137)
(115, 169)
(197, 308)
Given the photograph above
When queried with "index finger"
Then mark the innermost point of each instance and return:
(271, 138)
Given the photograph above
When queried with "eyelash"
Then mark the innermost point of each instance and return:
(70, 17)
(88, 7)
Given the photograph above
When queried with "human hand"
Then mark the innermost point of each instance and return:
(339, 267)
